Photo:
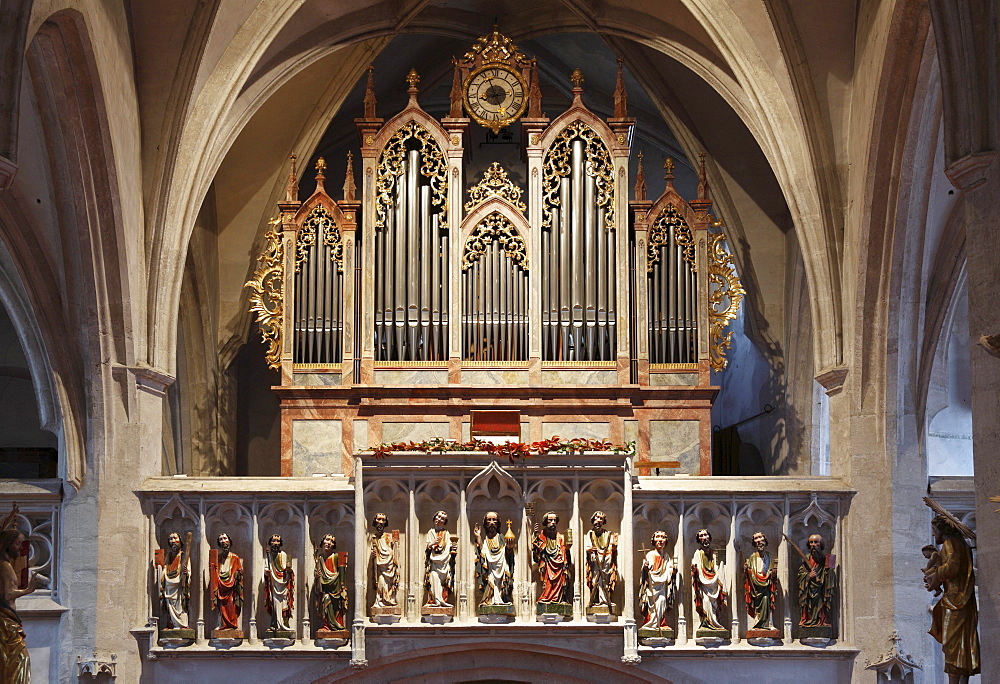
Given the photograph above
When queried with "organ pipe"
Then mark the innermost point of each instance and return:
(673, 291)
(411, 259)
(319, 284)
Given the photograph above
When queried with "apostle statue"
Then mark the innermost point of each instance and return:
(279, 590)
(708, 578)
(439, 564)
(550, 552)
(601, 550)
(817, 582)
(657, 588)
(760, 590)
(494, 567)
(226, 588)
(385, 567)
(955, 615)
(14, 663)
(174, 569)
(330, 586)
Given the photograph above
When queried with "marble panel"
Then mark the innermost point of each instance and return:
(576, 430)
(316, 379)
(360, 435)
(317, 447)
(580, 377)
(631, 430)
(413, 432)
(661, 379)
(466, 431)
(494, 377)
(411, 376)
(676, 440)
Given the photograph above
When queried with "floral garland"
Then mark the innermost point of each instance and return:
(512, 450)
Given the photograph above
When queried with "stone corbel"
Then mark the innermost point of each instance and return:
(146, 637)
(94, 666)
(970, 171)
(832, 379)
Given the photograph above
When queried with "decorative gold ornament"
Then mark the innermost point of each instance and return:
(535, 138)
(319, 225)
(494, 47)
(725, 293)
(498, 227)
(455, 140)
(495, 183)
(390, 165)
(267, 295)
(495, 95)
(670, 221)
(597, 162)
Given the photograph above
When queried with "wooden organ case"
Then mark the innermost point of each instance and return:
(394, 316)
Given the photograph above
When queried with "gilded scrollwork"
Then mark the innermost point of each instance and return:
(497, 227)
(597, 165)
(670, 220)
(433, 166)
(268, 294)
(495, 183)
(304, 239)
(494, 47)
(725, 293)
(320, 224)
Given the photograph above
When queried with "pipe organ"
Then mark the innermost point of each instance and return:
(411, 249)
(394, 315)
(578, 243)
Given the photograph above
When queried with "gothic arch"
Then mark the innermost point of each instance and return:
(733, 65)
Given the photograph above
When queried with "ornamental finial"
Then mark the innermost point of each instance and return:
(621, 97)
(640, 182)
(577, 79)
(413, 78)
(370, 93)
(320, 176)
(668, 165)
(349, 186)
(292, 187)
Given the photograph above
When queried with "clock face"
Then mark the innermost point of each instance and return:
(495, 96)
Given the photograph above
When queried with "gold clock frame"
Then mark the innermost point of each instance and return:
(495, 125)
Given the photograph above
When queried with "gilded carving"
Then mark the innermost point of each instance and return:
(390, 165)
(268, 294)
(495, 227)
(597, 165)
(495, 183)
(725, 293)
(659, 235)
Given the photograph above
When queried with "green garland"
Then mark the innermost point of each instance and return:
(512, 450)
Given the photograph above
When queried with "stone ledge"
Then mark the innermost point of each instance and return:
(261, 485)
(30, 607)
(35, 490)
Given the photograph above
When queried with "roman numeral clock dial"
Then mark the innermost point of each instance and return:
(495, 96)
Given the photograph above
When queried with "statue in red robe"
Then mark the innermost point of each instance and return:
(550, 551)
(226, 578)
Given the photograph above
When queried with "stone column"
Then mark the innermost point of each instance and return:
(626, 557)
(982, 214)
(360, 564)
